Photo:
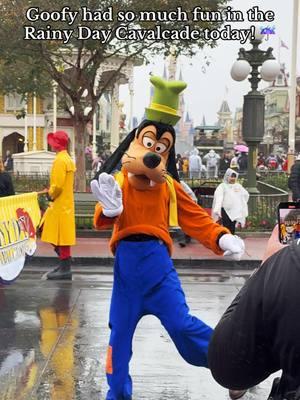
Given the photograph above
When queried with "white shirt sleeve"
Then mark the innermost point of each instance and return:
(217, 202)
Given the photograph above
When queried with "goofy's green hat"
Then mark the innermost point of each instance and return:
(164, 105)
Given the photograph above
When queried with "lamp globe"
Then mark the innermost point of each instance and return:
(240, 70)
(269, 70)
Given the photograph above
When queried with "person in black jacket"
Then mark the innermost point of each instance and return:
(243, 163)
(259, 332)
(294, 180)
(6, 185)
(224, 164)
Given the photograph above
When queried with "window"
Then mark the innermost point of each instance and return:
(13, 102)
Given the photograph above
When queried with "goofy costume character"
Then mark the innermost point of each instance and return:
(141, 202)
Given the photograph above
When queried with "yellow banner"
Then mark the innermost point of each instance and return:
(19, 217)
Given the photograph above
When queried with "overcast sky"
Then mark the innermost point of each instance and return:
(207, 89)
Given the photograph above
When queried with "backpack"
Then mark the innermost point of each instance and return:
(234, 163)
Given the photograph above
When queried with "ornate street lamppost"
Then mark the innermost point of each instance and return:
(249, 62)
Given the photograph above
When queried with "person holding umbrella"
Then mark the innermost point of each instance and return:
(241, 148)
(242, 160)
(59, 219)
(243, 163)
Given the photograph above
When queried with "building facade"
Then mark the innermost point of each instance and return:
(276, 128)
(276, 114)
(24, 125)
(225, 122)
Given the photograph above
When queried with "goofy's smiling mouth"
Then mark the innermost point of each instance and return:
(143, 178)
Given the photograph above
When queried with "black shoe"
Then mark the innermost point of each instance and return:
(63, 271)
(188, 239)
(181, 244)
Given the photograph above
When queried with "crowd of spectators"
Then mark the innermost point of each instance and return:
(195, 165)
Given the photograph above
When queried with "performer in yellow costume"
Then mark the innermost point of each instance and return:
(59, 219)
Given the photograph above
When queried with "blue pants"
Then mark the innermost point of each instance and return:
(145, 282)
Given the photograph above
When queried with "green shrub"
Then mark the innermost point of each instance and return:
(278, 180)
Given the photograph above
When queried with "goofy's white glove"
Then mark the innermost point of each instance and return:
(233, 247)
(109, 194)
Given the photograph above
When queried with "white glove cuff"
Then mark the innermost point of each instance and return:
(113, 213)
(223, 241)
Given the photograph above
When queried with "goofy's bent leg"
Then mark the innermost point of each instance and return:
(190, 335)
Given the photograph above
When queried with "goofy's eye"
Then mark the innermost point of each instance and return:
(148, 142)
(160, 148)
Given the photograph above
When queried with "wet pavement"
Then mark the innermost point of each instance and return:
(53, 339)
(96, 250)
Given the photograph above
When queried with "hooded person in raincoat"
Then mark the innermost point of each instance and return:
(230, 202)
(195, 164)
(59, 219)
(212, 160)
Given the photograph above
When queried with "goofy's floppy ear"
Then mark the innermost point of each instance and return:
(112, 162)
(171, 166)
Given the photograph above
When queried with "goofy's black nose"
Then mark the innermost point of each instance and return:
(151, 160)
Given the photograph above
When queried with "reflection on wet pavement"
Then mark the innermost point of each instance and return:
(53, 339)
